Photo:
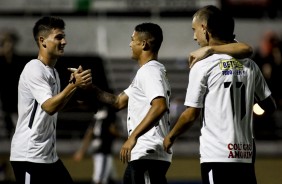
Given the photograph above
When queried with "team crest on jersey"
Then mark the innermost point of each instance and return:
(231, 67)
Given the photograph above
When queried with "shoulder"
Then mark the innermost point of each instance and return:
(152, 66)
(34, 63)
(34, 68)
(213, 59)
(209, 64)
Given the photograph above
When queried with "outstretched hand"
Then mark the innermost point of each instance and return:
(81, 78)
(72, 70)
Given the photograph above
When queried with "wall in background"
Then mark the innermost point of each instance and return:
(110, 37)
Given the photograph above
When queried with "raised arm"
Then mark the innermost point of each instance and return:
(116, 101)
(236, 49)
(58, 102)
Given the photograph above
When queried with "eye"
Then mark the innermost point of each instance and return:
(60, 37)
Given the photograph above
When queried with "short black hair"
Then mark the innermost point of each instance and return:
(153, 34)
(45, 24)
(219, 23)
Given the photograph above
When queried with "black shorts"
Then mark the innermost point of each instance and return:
(231, 173)
(155, 169)
(35, 173)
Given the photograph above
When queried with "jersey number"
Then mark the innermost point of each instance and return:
(240, 86)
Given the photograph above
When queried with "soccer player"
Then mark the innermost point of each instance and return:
(33, 149)
(224, 90)
(147, 100)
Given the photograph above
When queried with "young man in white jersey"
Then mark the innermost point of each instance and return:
(147, 100)
(33, 149)
(224, 89)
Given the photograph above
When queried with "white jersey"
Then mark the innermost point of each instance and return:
(150, 82)
(225, 88)
(35, 133)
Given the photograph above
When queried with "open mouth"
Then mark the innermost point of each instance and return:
(61, 49)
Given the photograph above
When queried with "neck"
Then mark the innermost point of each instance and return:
(47, 60)
(217, 42)
(147, 58)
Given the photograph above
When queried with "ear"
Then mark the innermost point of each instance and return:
(204, 29)
(42, 41)
(206, 33)
(145, 45)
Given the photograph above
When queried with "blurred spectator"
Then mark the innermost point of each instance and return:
(268, 56)
(11, 67)
(99, 139)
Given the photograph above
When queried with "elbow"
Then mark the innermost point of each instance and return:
(159, 106)
(249, 50)
(49, 112)
(117, 107)
(163, 109)
(191, 114)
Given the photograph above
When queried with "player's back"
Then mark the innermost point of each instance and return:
(228, 87)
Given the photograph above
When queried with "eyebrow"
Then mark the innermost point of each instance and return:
(61, 34)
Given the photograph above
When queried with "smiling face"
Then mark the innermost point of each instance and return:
(54, 43)
(136, 45)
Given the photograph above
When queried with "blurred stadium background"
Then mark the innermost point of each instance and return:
(98, 35)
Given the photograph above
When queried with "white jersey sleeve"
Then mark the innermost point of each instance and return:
(37, 80)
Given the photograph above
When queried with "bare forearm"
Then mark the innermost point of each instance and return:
(180, 127)
(237, 50)
(56, 103)
(104, 96)
(116, 101)
(153, 116)
(184, 122)
(80, 79)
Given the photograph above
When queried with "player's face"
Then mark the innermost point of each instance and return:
(136, 45)
(56, 42)
(199, 32)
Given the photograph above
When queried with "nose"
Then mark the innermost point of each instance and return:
(64, 41)
(194, 37)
